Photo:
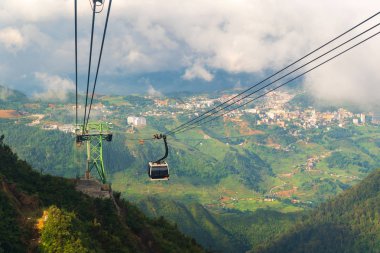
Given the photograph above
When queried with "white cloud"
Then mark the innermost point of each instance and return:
(12, 39)
(353, 77)
(39, 10)
(35, 36)
(153, 92)
(197, 71)
(54, 87)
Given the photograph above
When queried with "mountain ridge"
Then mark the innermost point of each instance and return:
(72, 220)
(347, 223)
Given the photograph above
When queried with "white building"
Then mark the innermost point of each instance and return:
(49, 127)
(253, 111)
(67, 128)
(136, 121)
(362, 118)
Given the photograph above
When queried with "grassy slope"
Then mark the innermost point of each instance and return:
(194, 165)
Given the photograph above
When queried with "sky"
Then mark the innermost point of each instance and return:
(174, 45)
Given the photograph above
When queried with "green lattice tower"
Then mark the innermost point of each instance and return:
(94, 133)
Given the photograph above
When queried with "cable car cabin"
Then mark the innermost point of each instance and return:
(158, 171)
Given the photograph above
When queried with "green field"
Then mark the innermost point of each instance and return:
(289, 170)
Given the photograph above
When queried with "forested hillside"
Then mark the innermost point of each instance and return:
(232, 185)
(46, 214)
(54, 152)
(222, 231)
(348, 223)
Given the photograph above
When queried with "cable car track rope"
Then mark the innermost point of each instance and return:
(89, 63)
(212, 112)
(298, 76)
(198, 123)
(262, 88)
(76, 63)
(100, 58)
(88, 104)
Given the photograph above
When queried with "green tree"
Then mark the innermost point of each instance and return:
(60, 232)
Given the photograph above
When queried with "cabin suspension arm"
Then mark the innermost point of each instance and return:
(162, 136)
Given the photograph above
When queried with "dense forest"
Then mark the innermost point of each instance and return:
(221, 231)
(347, 223)
(46, 214)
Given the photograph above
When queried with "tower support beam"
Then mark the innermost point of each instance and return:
(94, 133)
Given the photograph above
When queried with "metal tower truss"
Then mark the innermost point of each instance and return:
(94, 133)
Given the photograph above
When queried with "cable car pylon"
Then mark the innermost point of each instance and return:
(94, 133)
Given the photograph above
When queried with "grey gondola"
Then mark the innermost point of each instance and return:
(159, 170)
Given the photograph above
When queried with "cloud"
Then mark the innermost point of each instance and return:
(54, 87)
(12, 39)
(153, 92)
(38, 10)
(194, 39)
(352, 78)
(197, 71)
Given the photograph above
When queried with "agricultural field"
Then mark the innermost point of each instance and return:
(303, 173)
(9, 114)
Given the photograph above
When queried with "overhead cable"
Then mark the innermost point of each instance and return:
(89, 64)
(281, 70)
(76, 63)
(302, 74)
(100, 57)
(282, 77)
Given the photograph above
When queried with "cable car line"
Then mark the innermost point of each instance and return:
(240, 99)
(76, 62)
(281, 70)
(89, 64)
(100, 57)
(199, 123)
(302, 74)
(284, 83)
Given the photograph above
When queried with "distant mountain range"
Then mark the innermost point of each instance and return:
(171, 81)
(164, 82)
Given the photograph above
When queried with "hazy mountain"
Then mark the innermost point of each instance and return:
(11, 95)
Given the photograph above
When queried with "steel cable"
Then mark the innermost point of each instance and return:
(293, 71)
(281, 70)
